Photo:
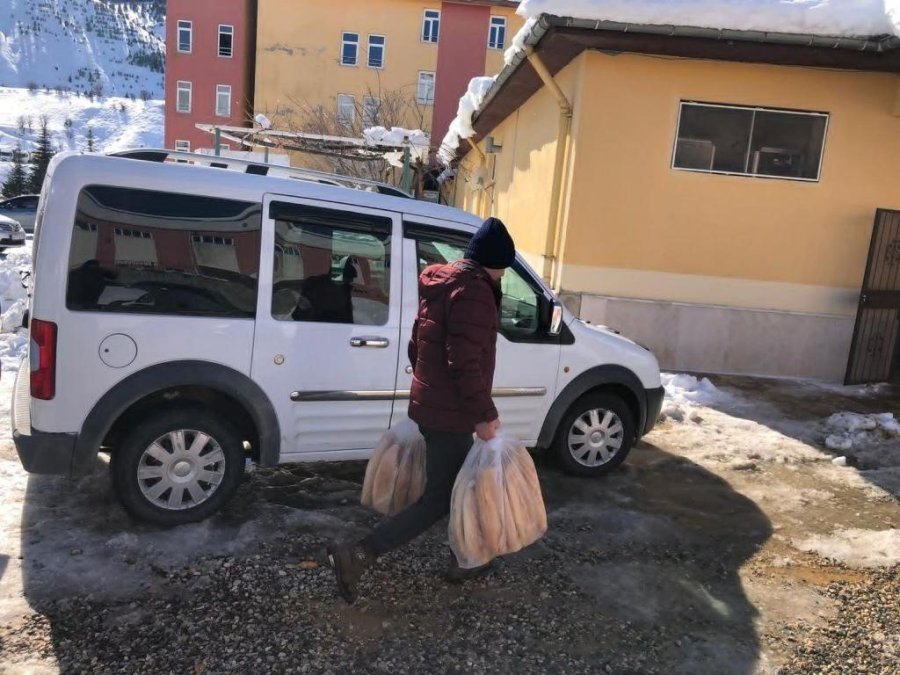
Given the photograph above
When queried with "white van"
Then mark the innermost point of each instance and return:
(186, 319)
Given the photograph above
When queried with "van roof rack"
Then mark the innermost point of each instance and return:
(260, 169)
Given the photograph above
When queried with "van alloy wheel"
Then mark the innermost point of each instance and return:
(596, 434)
(181, 469)
(595, 437)
(177, 466)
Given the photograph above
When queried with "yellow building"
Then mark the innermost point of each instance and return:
(358, 63)
(713, 199)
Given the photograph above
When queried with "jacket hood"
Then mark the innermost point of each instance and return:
(436, 279)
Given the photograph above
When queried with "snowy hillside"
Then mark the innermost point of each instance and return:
(117, 122)
(113, 47)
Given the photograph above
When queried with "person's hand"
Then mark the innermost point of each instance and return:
(487, 430)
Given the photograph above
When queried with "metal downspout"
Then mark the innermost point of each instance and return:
(479, 194)
(552, 272)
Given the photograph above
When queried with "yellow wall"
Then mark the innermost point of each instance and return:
(299, 52)
(522, 172)
(637, 228)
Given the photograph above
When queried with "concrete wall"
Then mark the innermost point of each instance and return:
(711, 338)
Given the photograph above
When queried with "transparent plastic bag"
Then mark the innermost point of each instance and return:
(497, 507)
(395, 474)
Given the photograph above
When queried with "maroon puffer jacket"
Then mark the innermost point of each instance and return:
(453, 348)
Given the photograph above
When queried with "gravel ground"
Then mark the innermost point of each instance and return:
(686, 560)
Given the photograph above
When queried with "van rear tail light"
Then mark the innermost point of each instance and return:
(43, 359)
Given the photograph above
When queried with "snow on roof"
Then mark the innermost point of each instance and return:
(827, 18)
(461, 126)
(847, 18)
(395, 136)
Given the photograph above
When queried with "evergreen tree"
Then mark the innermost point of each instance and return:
(90, 139)
(40, 159)
(16, 182)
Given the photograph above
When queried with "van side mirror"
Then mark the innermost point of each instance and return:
(556, 318)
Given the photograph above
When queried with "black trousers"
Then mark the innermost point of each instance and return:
(445, 453)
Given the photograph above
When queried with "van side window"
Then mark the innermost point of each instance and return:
(330, 266)
(149, 252)
(520, 305)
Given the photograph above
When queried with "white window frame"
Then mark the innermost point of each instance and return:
(428, 21)
(182, 146)
(184, 24)
(344, 98)
(501, 22)
(419, 99)
(188, 86)
(219, 40)
(345, 42)
(222, 90)
(370, 118)
(754, 109)
(383, 46)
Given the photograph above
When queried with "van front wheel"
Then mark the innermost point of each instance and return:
(596, 435)
(178, 466)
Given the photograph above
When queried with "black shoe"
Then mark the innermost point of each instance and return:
(348, 561)
(456, 574)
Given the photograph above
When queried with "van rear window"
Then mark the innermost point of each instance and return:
(151, 252)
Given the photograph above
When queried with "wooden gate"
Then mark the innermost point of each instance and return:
(873, 352)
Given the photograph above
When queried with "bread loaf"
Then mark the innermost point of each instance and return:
(395, 474)
(491, 505)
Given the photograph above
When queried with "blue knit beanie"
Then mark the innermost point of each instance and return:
(492, 246)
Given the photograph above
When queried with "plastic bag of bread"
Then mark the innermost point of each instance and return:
(395, 474)
(496, 507)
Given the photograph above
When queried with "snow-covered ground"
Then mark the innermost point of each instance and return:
(118, 123)
(117, 47)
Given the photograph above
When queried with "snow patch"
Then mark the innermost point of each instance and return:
(684, 392)
(117, 123)
(395, 136)
(461, 126)
(855, 547)
(870, 440)
(859, 18)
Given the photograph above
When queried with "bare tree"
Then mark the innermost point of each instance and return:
(377, 107)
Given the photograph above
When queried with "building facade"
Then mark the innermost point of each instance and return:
(716, 204)
(210, 50)
(326, 67)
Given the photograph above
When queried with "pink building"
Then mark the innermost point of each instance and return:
(210, 54)
(463, 54)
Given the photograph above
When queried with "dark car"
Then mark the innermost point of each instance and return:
(22, 209)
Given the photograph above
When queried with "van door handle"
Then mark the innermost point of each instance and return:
(369, 341)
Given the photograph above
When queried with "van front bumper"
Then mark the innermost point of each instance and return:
(40, 452)
(654, 406)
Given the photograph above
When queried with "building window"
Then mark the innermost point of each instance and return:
(497, 33)
(431, 26)
(226, 40)
(182, 146)
(747, 141)
(183, 99)
(185, 36)
(376, 51)
(349, 49)
(223, 100)
(371, 108)
(346, 110)
(425, 90)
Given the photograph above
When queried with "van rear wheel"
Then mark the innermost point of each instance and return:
(596, 435)
(177, 466)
